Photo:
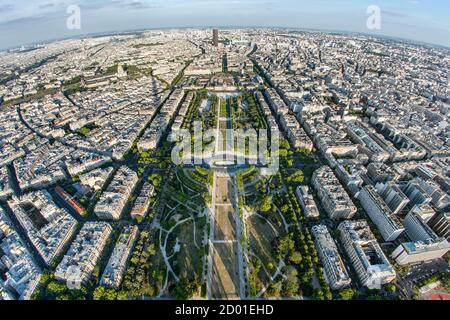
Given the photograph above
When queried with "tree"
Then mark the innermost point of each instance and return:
(102, 293)
(256, 265)
(122, 295)
(151, 250)
(158, 275)
(295, 257)
(275, 289)
(266, 204)
(46, 277)
(297, 177)
(290, 162)
(99, 293)
(79, 294)
(285, 208)
(291, 272)
(347, 294)
(55, 288)
(315, 259)
(185, 290)
(318, 294)
(285, 245)
(139, 219)
(306, 278)
(283, 153)
(391, 288)
(290, 287)
(84, 131)
(328, 295)
(156, 180)
(284, 144)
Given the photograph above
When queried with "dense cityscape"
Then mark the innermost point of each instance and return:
(93, 206)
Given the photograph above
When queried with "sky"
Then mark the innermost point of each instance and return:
(32, 21)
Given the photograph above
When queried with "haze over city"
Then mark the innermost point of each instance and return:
(31, 21)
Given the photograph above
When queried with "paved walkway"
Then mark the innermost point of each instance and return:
(163, 248)
(223, 280)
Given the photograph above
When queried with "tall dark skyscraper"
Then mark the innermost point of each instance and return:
(216, 37)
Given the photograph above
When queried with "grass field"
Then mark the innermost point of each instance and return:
(156, 263)
(190, 182)
(225, 110)
(188, 259)
(260, 236)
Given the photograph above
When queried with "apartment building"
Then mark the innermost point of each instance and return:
(80, 260)
(307, 202)
(335, 273)
(380, 214)
(367, 257)
(115, 269)
(332, 195)
(114, 199)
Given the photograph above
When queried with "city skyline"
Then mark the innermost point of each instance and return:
(44, 20)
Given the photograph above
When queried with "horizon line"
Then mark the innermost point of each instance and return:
(125, 31)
